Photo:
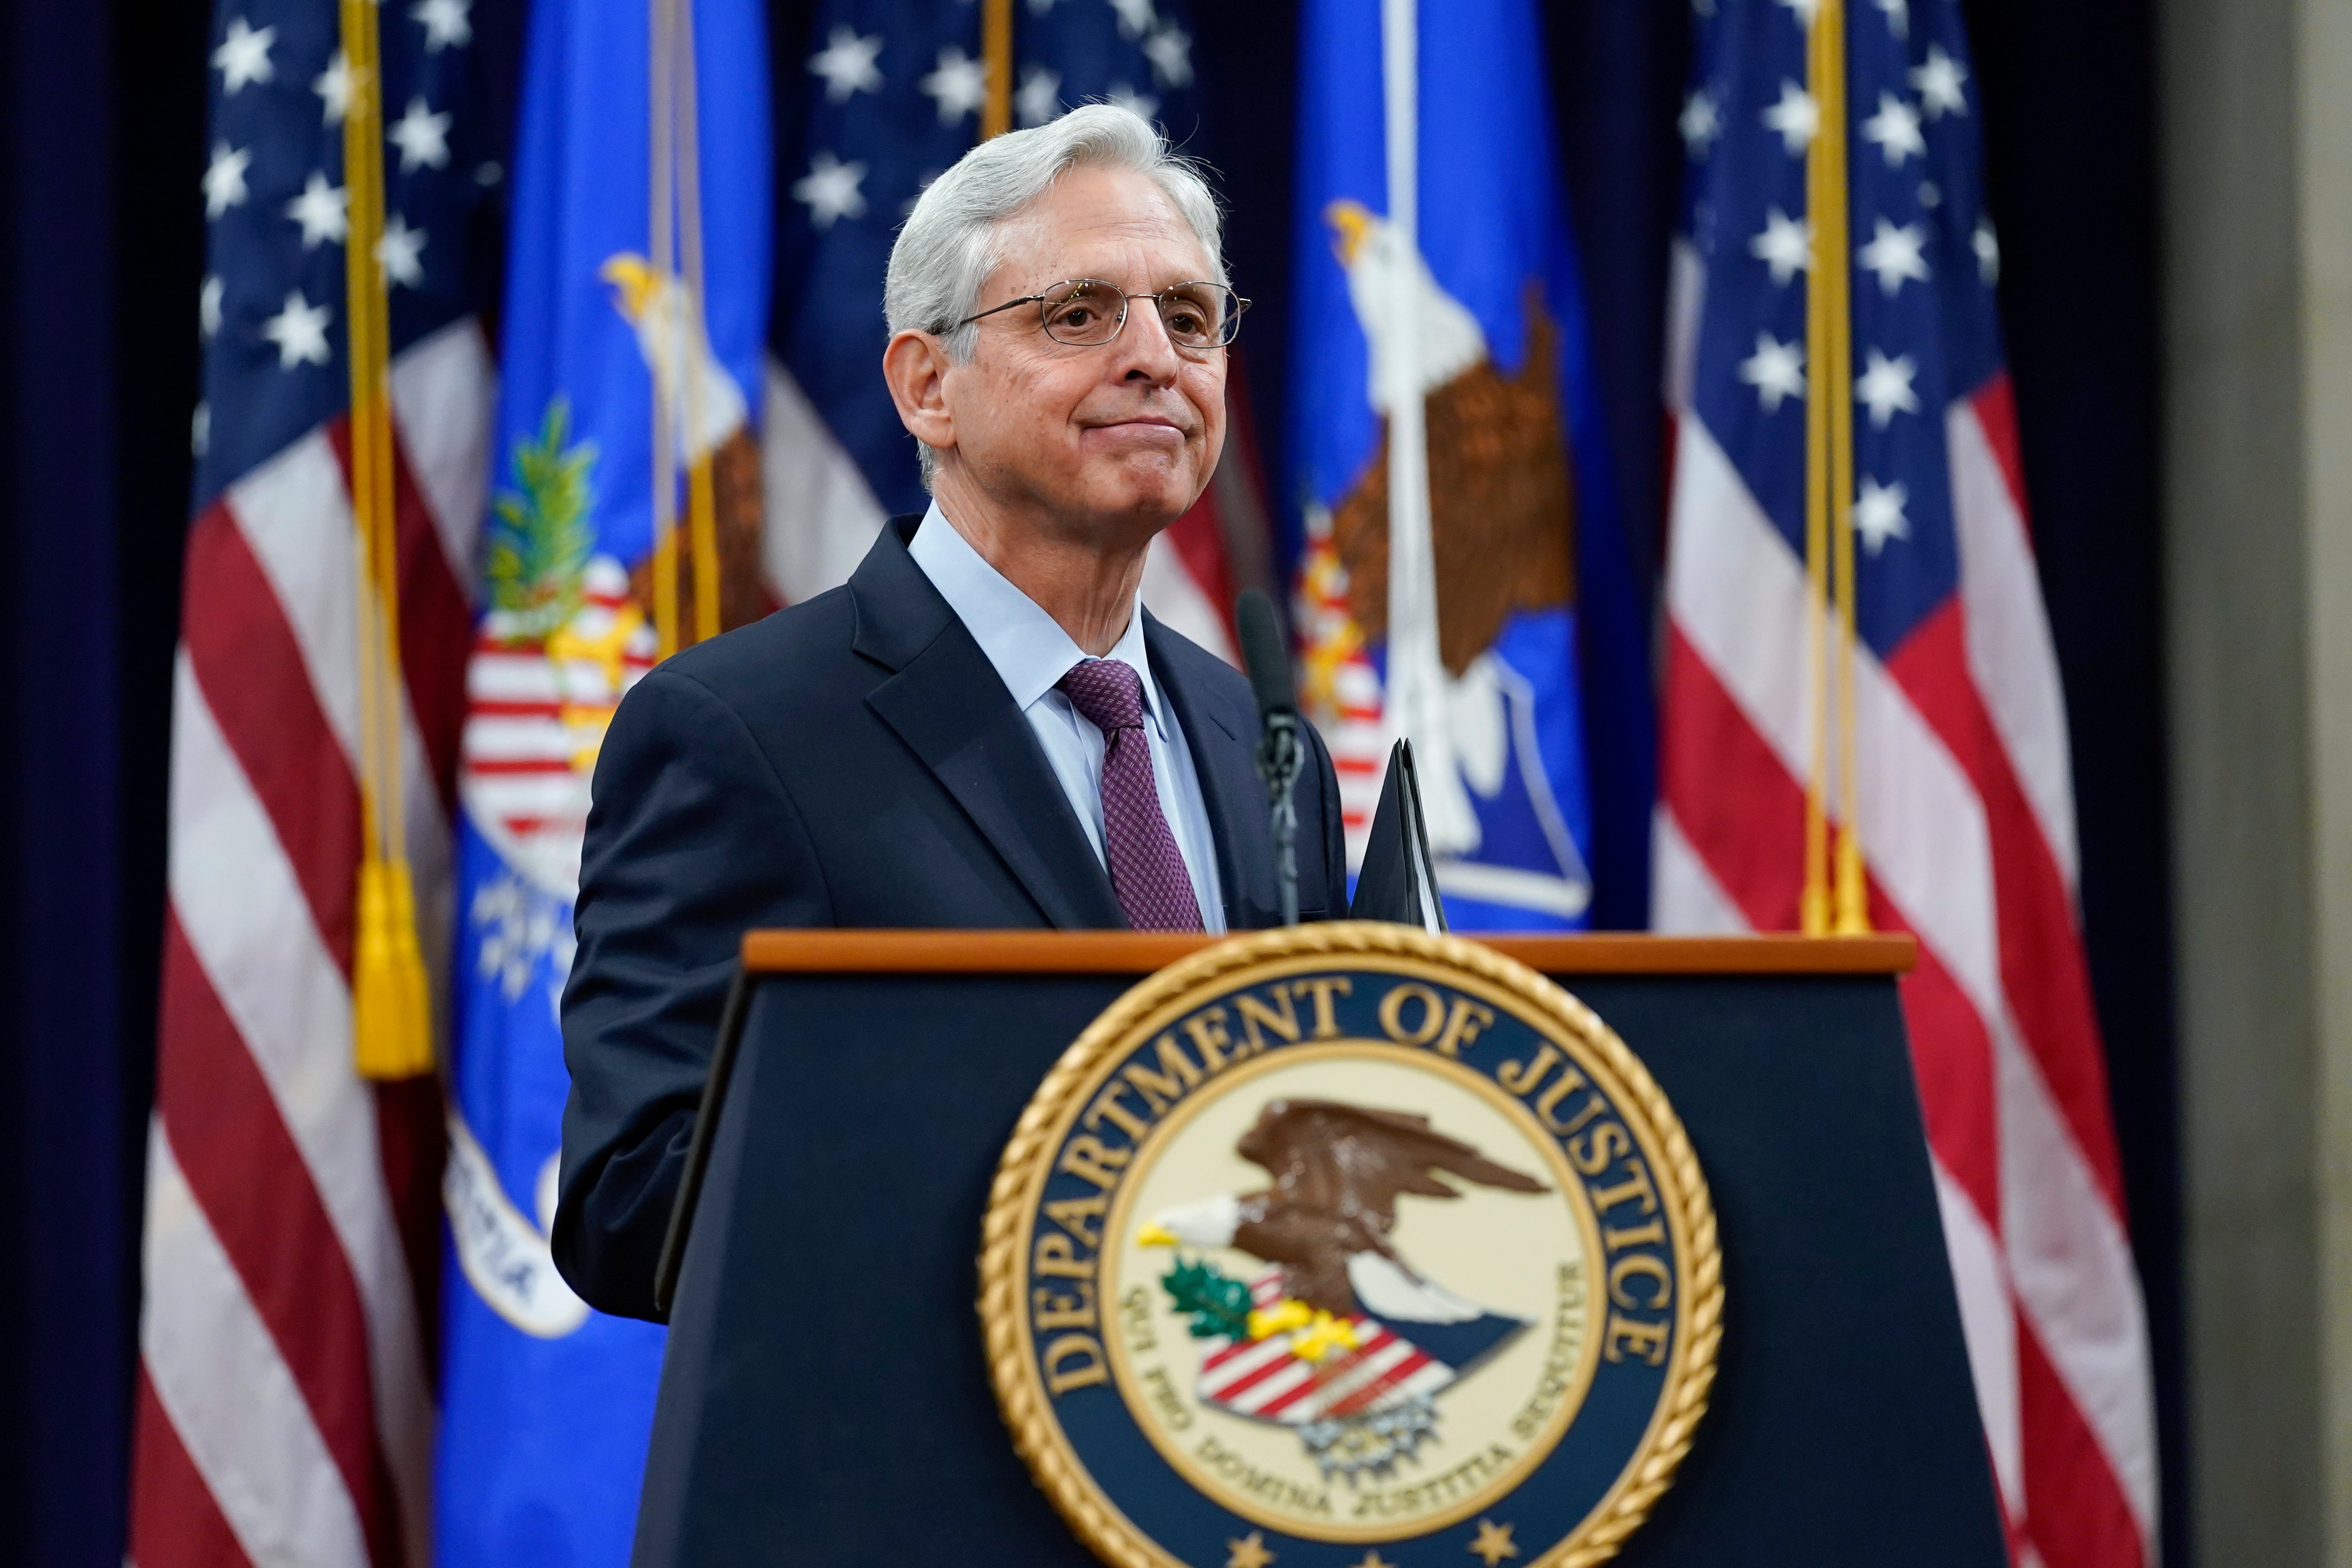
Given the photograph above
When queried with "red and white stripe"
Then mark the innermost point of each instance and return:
(285, 1401)
(1266, 1379)
(1966, 809)
(537, 710)
(1341, 688)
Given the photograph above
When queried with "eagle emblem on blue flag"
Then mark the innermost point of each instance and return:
(1460, 572)
(1351, 1241)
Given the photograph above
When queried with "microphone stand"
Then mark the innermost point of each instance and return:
(1279, 755)
(1281, 748)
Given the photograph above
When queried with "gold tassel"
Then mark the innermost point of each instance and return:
(392, 1009)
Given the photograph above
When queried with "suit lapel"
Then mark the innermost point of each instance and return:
(947, 703)
(1221, 736)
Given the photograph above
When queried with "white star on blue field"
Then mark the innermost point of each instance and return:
(1922, 267)
(277, 213)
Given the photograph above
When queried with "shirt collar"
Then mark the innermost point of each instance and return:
(1028, 648)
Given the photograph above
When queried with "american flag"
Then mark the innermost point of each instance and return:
(284, 1398)
(1965, 801)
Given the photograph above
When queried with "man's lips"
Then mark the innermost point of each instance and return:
(1144, 421)
(1150, 429)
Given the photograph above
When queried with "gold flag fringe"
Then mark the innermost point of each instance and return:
(392, 1013)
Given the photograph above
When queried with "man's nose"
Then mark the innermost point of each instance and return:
(1146, 353)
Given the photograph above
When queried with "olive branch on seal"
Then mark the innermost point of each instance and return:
(1219, 1303)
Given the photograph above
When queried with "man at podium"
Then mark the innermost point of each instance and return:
(983, 728)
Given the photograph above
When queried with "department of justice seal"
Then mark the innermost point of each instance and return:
(1350, 1247)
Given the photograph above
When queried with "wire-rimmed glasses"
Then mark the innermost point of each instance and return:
(1088, 312)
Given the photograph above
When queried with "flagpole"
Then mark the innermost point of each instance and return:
(662, 252)
(1835, 896)
(996, 48)
(694, 334)
(1416, 672)
(1834, 245)
(1821, 201)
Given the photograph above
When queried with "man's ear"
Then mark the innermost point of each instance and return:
(915, 366)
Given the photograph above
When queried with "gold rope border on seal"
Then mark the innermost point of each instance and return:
(1075, 1495)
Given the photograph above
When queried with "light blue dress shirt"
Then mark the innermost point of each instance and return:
(1031, 653)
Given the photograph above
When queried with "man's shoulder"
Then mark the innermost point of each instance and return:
(795, 654)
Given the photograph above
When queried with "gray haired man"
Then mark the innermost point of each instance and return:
(983, 727)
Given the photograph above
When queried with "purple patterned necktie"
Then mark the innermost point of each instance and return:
(1146, 870)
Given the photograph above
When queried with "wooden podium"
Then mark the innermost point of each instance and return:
(825, 1399)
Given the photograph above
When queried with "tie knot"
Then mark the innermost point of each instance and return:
(1108, 692)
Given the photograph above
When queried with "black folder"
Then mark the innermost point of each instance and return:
(1398, 880)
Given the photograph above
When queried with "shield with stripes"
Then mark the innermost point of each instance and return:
(1360, 1392)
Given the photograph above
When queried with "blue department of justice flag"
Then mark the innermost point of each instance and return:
(547, 1405)
(1523, 527)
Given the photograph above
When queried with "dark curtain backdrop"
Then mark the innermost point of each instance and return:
(104, 107)
(103, 250)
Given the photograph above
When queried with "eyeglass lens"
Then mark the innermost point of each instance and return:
(1089, 311)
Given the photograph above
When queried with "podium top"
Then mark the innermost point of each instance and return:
(802, 952)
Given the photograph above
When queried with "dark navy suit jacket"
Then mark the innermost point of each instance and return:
(852, 760)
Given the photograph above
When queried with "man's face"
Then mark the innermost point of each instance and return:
(1106, 442)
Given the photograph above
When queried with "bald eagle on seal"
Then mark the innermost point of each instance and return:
(1338, 1171)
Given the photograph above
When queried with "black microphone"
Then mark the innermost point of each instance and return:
(1262, 654)
(1279, 749)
